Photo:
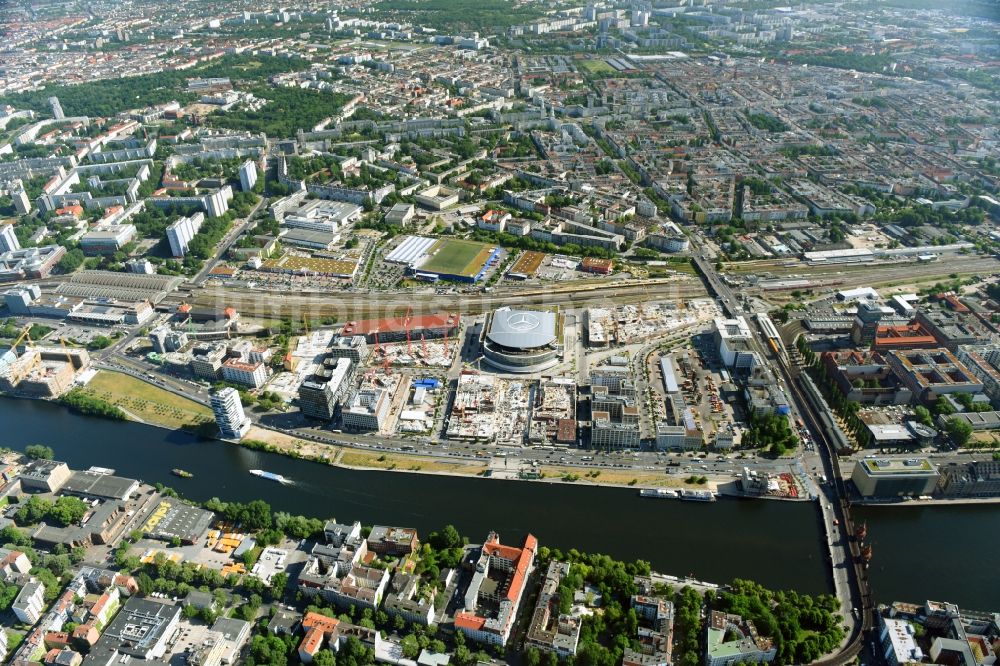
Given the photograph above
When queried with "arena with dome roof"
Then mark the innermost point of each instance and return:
(522, 341)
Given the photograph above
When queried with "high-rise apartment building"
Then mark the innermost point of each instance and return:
(229, 415)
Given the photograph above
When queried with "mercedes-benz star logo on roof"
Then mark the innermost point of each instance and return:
(522, 321)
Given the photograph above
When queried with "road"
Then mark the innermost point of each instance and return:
(227, 241)
(849, 577)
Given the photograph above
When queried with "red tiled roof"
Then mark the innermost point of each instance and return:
(312, 641)
(469, 621)
(521, 557)
(240, 365)
(395, 324)
(318, 621)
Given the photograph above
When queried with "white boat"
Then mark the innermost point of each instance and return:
(698, 495)
(659, 493)
(270, 476)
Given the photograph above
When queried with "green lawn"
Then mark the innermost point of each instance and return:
(457, 257)
(150, 403)
(597, 67)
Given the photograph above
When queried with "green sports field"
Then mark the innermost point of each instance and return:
(457, 257)
(596, 67)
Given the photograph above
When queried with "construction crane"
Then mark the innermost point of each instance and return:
(406, 325)
(24, 334)
(69, 357)
(423, 344)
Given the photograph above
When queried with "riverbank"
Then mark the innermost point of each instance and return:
(352, 458)
(144, 402)
(770, 535)
(560, 516)
(937, 501)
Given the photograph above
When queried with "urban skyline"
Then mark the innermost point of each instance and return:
(708, 252)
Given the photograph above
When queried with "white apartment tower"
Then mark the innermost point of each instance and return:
(248, 175)
(22, 204)
(30, 602)
(180, 233)
(229, 416)
(56, 107)
(8, 239)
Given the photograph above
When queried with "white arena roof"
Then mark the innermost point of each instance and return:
(411, 251)
(522, 329)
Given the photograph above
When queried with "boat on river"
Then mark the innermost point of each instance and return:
(659, 493)
(269, 476)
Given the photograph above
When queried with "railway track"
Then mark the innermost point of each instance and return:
(345, 305)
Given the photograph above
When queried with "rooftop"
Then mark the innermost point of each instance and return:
(897, 466)
(522, 329)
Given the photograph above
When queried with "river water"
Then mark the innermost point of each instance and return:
(775, 543)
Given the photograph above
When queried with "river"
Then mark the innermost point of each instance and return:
(775, 543)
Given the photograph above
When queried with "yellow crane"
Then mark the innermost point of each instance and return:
(24, 334)
(69, 357)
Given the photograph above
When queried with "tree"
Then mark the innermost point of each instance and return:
(269, 651)
(71, 260)
(68, 510)
(410, 646)
(959, 430)
(257, 515)
(324, 658)
(7, 595)
(11, 536)
(33, 511)
(446, 539)
(278, 582)
(923, 415)
(39, 452)
(145, 584)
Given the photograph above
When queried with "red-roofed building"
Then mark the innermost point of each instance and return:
(566, 431)
(56, 639)
(63, 657)
(322, 630)
(318, 621)
(318, 628)
(469, 622)
(76, 210)
(310, 645)
(12, 564)
(494, 594)
(252, 375)
(955, 304)
(394, 329)
(910, 336)
(86, 633)
(597, 265)
(105, 604)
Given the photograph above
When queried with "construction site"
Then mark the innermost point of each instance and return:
(41, 371)
(628, 324)
(487, 409)
(553, 414)
(418, 414)
(419, 354)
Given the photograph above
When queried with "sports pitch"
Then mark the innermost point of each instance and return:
(457, 257)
